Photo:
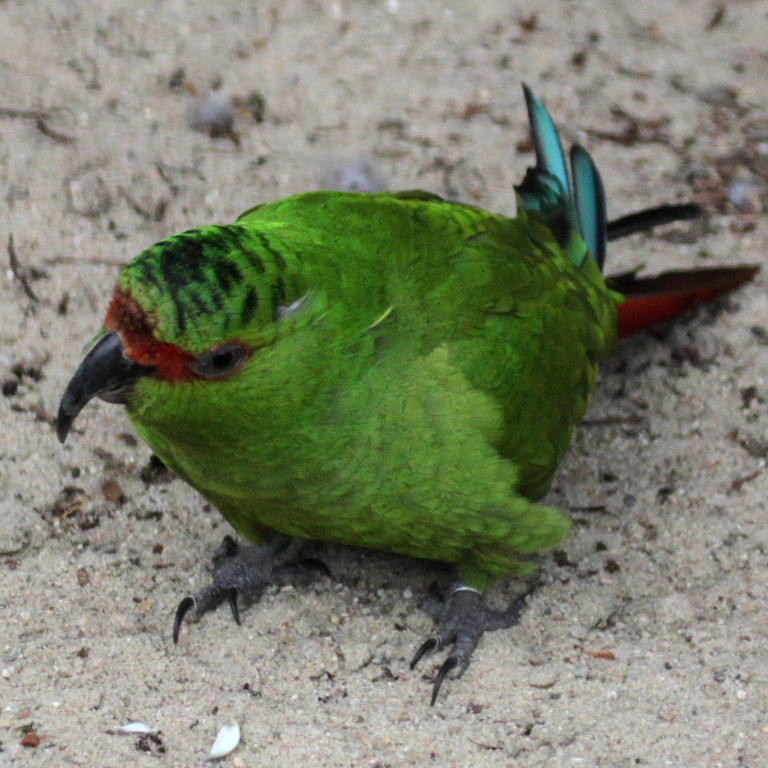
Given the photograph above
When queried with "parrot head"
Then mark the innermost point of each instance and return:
(193, 307)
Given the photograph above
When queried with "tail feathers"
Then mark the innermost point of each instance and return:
(656, 299)
(651, 217)
(576, 215)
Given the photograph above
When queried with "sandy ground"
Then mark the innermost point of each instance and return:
(646, 643)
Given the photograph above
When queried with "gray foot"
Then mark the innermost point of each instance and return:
(245, 571)
(465, 618)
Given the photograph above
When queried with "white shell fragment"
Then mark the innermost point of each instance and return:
(136, 728)
(226, 740)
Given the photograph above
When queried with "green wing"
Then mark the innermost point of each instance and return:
(419, 365)
(521, 321)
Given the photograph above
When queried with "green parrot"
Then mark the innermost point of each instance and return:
(391, 370)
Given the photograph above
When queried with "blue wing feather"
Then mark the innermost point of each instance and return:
(589, 201)
(575, 212)
(549, 151)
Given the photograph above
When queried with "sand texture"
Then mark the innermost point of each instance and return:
(646, 643)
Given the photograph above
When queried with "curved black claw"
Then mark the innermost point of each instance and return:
(460, 658)
(190, 602)
(427, 646)
(181, 612)
(465, 618)
(232, 598)
(450, 663)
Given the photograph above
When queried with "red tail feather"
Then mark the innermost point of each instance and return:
(656, 299)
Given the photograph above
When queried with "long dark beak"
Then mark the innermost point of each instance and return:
(106, 372)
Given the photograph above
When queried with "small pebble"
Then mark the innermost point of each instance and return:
(745, 197)
(88, 194)
(212, 114)
(353, 177)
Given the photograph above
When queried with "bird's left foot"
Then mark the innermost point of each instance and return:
(246, 571)
(465, 618)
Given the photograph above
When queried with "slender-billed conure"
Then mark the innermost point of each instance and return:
(390, 370)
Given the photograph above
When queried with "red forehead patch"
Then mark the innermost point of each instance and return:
(126, 316)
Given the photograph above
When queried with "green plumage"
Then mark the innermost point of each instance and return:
(391, 371)
(419, 368)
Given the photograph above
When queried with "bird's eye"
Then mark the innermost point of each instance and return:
(221, 361)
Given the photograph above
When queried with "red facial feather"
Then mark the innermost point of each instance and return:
(136, 329)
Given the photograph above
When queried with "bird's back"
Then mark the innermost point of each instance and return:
(515, 315)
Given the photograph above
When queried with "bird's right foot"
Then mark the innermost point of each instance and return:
(465, 618)
(245, 571)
